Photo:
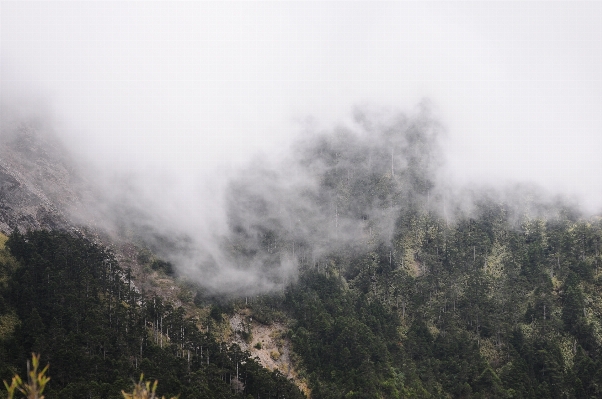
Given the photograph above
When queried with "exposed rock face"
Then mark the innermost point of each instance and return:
(37, 181)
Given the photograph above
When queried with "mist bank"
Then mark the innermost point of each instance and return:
(333, 192)
(337, 191)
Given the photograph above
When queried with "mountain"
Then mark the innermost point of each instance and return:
(69, 299)
(37, 180)
(42, 193)
(384, 281)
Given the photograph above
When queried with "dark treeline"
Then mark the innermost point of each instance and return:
(69, 299)
(486, 308)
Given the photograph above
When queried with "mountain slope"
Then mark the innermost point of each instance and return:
(382, 281)
(37, 183)
(72, 302)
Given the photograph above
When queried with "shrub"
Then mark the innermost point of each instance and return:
(36, 381)
(143, 390)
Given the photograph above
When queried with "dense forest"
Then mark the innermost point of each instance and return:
(481, 309)
(69, 300)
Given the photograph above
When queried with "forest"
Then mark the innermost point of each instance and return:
(390, 285)
(69, 300)
(485, 310)
(410, 287)
(480, 309)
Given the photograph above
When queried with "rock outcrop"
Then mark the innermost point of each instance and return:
(37, 180)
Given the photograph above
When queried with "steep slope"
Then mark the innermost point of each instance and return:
(75, 305)
(40, 188)
(268, 343)
(43, 187)
(409, 288)
(37, 182)
(385, 282)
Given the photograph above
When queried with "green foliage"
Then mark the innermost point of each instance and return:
(146, 258)
(143, 390)
(267, 309)
(77, 306)
(36, 381)
(494, 305)
(219, 309)
(345, 342)
(163, 266)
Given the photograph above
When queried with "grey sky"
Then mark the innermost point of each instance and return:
(187, 87)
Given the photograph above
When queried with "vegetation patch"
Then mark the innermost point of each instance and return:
(8, 323)
(3, 239)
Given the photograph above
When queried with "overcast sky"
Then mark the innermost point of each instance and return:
(186, 87)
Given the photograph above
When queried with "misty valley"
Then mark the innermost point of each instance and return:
(349, 268)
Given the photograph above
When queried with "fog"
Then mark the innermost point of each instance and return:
(182, 111)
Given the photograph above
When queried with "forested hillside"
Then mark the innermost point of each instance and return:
(409, 287)
(387, 281)
(69, 300)
(485, 308)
